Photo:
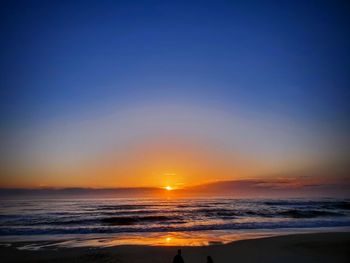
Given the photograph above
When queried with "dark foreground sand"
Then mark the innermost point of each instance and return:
(322, 247)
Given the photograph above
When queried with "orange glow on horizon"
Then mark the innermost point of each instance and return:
(165, 163)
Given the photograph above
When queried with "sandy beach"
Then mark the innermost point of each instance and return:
(320, 247)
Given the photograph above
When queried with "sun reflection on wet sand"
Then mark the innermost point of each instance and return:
(177, 239)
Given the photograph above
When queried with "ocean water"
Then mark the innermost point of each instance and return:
(132, 218)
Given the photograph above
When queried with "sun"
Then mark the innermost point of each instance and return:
(168, 188)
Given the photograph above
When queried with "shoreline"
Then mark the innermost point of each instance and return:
(189, 238)
(307, 247)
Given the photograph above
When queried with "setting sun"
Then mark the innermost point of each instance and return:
(168, 188)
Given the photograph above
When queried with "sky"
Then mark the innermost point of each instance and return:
(181, 93)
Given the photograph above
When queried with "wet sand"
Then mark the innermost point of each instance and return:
(320, 247)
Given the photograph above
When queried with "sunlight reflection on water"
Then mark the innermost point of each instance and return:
(177, 239)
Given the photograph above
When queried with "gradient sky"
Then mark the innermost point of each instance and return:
(151, 93)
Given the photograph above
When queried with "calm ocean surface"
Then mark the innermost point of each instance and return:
(45, 218)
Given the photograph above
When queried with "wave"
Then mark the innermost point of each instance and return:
(141, 217)
(121, 207)
(217, 212)
(309, 214)
(135, 220)
(294, 213)
(113, 216)
(322, 204)
(169, 228)
(291, 213)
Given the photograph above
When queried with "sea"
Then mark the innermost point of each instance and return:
(179, 222)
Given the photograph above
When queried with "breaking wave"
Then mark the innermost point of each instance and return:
(118, 215)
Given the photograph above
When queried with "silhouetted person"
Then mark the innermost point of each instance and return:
(209, 259)
(178, 258)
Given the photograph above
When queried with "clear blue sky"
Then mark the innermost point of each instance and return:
(285, 56)
(285, 59)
